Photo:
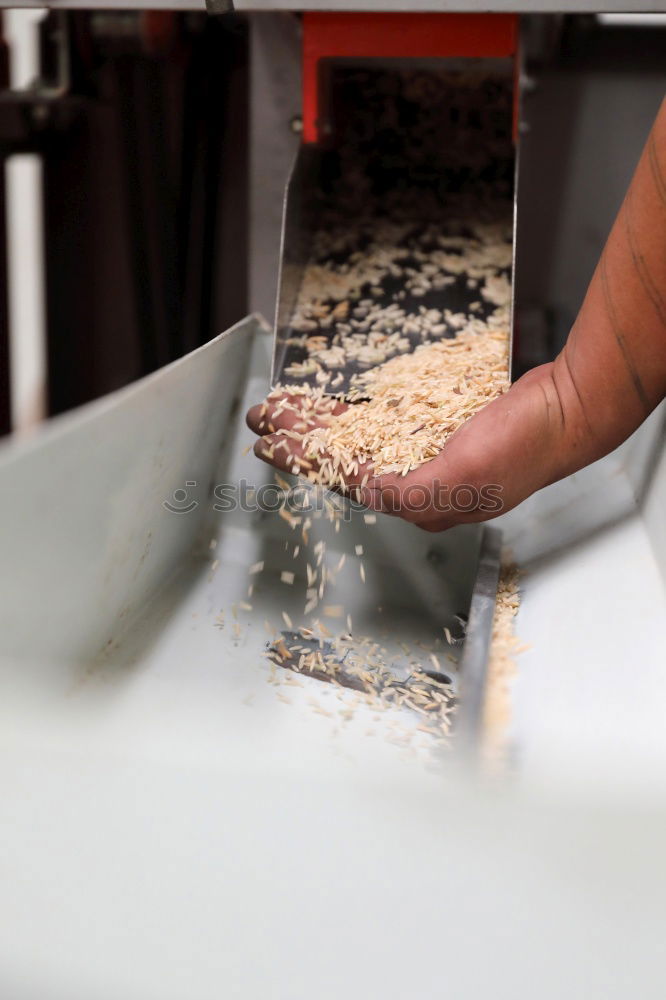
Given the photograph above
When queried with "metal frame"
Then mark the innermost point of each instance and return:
(500, 6)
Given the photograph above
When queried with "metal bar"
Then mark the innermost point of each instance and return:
(5, 398)
(510, 6)
(473, 669)
(457, 6)
(5, 401)
(518, 81)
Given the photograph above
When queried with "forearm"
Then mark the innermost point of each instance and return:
(612, 371)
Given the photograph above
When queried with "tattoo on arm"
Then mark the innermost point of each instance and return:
(570, 371)
(632, 371)
(655, 169)
(640, 264)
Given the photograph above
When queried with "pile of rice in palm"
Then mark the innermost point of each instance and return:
(407, 410)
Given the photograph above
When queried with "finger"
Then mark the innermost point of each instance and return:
(385, 494)
(287, 453)
(292, 413)
(439, 494)
(371, 497)
(282, 452)
(353, 483)
(417, 498)
(262, 418)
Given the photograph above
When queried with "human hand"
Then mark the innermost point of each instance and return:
(517, 444)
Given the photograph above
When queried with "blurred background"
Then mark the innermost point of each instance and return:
(124, 138)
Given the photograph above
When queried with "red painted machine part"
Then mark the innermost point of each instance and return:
(395, 36)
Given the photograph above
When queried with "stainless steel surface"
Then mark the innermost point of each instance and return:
(163, 810)
(473, 668)
(85, 541)
(108, 512)
(298, 220)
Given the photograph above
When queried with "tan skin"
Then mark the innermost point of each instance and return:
(566, 414)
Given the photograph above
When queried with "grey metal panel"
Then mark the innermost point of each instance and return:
(85, 539)
(275, 87)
